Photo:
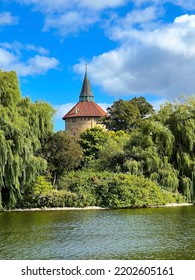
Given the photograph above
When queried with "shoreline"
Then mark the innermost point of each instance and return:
(91, 208)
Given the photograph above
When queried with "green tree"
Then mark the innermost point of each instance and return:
(22, 126)
(111, 153)
(122, 115)
(62, 153)
(91, 141)
(144, 107)
(179, 116)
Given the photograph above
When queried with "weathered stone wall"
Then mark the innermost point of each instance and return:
(74, 126)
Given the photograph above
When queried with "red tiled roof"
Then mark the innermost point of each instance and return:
(85, 109)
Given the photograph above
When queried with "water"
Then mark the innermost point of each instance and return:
(156, 233)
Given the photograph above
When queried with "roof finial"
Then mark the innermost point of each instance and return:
(85, 67)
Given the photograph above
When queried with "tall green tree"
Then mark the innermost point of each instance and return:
(22, 126)
(122, 115)
(91, 141)
(127, 115)
(179, 116)
(62, 153)
(144, 107)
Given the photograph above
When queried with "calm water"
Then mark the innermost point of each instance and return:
(158, 233)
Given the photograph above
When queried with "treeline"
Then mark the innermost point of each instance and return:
(144, 157)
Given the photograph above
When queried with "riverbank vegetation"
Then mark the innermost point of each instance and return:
(142, 158)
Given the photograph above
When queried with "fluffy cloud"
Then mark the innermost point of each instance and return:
(7, 19)
(11, 59)
(159, 62)
(71, 16)
(62, 109)
(18, 48)
(59, 5)
(188, 5)
(36, 65)
(70, 22)
(153, 57)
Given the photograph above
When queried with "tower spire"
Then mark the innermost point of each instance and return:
(86, 93)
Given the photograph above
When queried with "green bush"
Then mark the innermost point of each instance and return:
(115, 190)
(105, 189)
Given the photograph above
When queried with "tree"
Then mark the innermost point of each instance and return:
(91, 141)
(111, 153)
(179, 116)
(22, 126)
(149, 152)
(62, 153)
(126, 115)
(144, 107)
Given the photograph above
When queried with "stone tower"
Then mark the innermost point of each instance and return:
(85, 114)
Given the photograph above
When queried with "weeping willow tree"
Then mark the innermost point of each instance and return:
(179, 116)
(23, 125)
(149, 152)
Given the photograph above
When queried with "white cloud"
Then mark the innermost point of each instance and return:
(159, 62)
(71, 16)
(59, 5)
(6, 58)
(140, 16)
(18, 48)
(36, 65)
(70, 22)
(62, 109)
(187, 4)
(102, 4)
(11, 59)
(33, 48)
(7, 19)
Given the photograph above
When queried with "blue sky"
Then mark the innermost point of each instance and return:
(132, 48)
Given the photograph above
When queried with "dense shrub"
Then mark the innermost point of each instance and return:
(115, 190)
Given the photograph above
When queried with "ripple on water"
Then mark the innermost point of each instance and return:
(158, 233)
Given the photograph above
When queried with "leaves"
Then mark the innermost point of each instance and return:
(62, 153)
(122, 115)
(23, 125)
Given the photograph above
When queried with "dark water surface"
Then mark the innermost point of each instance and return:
(155, 233)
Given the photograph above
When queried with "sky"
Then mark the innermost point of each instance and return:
(131, 48)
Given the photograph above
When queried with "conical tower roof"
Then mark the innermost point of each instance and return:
(86, 92)
(86, 107)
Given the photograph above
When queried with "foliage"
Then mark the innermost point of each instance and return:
(143, 158)
(111, 154)
(62, 153)
(161, 148)
(144, 107)
(180, 118)
(126, 115)
(91, 140)
(22, 126)
(42, 194)
(41, 186)
(113, 190)
(122, 115)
